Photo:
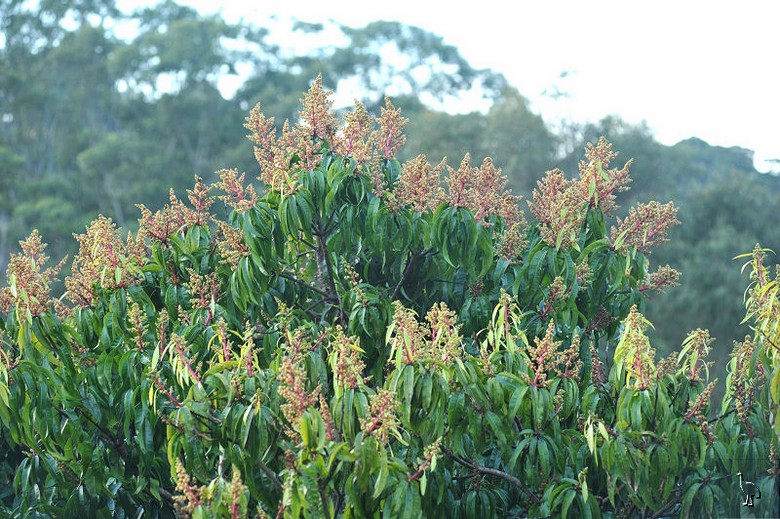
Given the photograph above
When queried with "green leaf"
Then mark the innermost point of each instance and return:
(567, 500)
(775, 387)
(516, 401)
(381, 480)
(688, 497)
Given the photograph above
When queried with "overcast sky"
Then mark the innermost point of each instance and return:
(686, 68)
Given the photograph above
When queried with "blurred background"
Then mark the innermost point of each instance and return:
(107, 104)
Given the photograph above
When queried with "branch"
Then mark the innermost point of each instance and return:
(766, 337)
(113, 440)
(323, 253)
(306, 285)
(270, 474)
(719, 417)
(407, 270)
(324, 498)
(662, 511)
(490, 472)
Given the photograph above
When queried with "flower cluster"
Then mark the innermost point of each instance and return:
(411, 341)
(569, 362)
(406, 336)
(645, 227)
(248, 357)
(390, 136)
(556, 293)
(160, 225)
(763, 303)
(388, 139)
(103, 261)
(224, 347)
(237, 490)
(292, 387)
(204, 289)
(445, 333)
(694, 350)
(241, 198)
(663, 278)
(281, 158)
(137, 323)
(542, 357)
(483, 191)
(668, 365)
(698, 407)
(741, 382)
(634, 351)
(188, 494)
(597, 376)
(601, 183)
(29, 282)
(429, 459)
(381, 419)
(269, 155)
(513, 240)
(278, 156)
(698, 410)
(230, 244)
(331, 433)
(177, 216)
(201, 203)
(179, 351)
(558, 206)
(545, 357)
(357, 137)
(317, 119)
(346, 361)
(584, 273)
(419, 186)
(600, 321)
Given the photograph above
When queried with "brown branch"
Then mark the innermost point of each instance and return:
(324, 498)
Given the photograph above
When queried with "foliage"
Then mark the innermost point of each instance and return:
(363, 338)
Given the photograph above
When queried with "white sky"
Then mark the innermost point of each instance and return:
(687, 68)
